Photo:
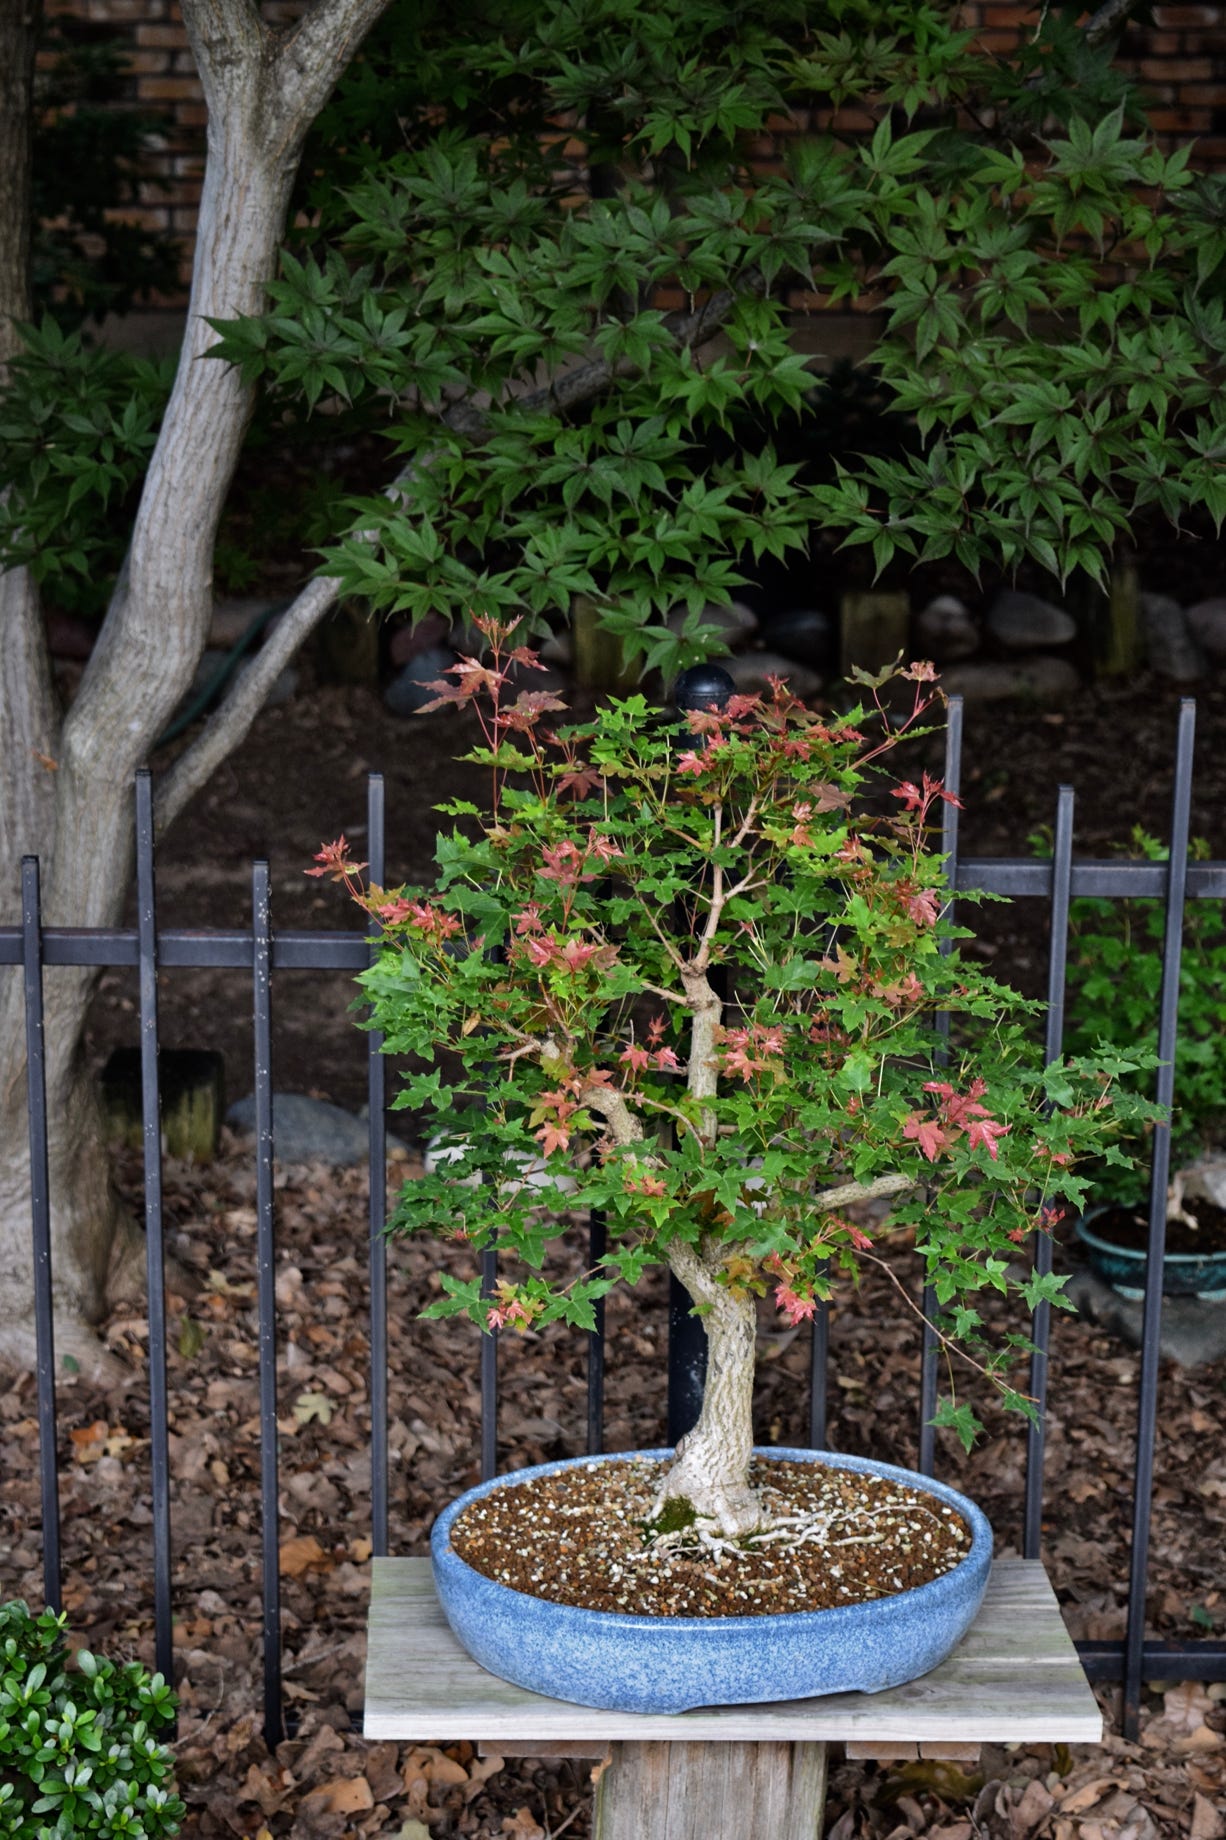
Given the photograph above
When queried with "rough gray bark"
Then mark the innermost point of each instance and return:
(263, 91)
(28, 716)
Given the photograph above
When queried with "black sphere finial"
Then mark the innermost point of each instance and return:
(703, 686)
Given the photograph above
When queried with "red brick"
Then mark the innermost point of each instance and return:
(1178, 70)
(1191, 16)
(170, 89)
(171, 35)
(147, 63)
(1157, 44)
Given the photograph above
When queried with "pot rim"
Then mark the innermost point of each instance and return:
(1182, 1260)
(444, 1555)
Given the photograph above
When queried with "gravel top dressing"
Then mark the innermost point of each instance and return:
(836, 1537)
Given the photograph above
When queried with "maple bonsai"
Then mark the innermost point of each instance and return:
(692, 977)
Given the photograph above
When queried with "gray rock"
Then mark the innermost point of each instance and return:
(1193, 1330)
(408, 692)
(213, 677)
(558, 649)
(749, 671)
(232, 618)
(410, 641)
(530, 1171)
(736, 623)
(945, 630)
(307, 1130)
(806, 635)
(1043, 680)
(1207, 624)
(1023, 622)
(1170, 649)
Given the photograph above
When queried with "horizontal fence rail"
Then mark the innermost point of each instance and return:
(260, 952)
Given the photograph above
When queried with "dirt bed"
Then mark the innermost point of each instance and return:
(298, 780)
(324, 1779)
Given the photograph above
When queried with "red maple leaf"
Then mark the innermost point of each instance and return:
(928, 1133)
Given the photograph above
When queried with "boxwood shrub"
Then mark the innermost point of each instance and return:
(78, 1750)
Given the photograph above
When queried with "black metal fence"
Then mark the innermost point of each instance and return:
(261, 952)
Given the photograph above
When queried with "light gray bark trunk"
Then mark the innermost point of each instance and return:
(263, 92)
(711, 1469)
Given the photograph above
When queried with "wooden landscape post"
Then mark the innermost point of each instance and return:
(874, 628)
(775, 1791)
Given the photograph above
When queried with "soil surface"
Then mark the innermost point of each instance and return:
(297, 781)
(1200, 1237)
(586, 1538)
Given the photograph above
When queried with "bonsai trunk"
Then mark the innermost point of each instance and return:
(711, 1470)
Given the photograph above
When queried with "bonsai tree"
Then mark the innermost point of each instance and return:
(693, 977)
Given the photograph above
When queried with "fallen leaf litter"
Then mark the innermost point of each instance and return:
(835, 1536)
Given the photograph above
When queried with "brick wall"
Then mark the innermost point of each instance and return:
(1181, 60)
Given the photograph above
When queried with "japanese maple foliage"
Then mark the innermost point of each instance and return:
(696, 974)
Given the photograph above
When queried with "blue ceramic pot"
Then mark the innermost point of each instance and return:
(1184, 1274)
(671, 1664)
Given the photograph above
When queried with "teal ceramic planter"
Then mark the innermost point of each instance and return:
(673, 1664)
(1184, 1274)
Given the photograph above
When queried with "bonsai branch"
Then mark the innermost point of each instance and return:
(950, 1346)
(610, 1105)
(847, 1192)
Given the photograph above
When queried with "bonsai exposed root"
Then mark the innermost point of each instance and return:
(701, 1538)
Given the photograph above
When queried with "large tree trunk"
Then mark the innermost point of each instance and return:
(711, 1469)
(263, 91)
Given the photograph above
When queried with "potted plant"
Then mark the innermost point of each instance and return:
(697, 973)
(1114, 982)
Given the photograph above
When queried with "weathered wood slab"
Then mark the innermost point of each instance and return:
(1014, 1678)
(684, 1791)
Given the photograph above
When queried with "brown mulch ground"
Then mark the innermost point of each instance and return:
(325, 1780)
(299, 780)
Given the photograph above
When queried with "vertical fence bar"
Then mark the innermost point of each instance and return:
(597, 1240)
(687, 1361)
(40, 1219)
(261, 969)
(929, 1346)
(1151, 1321)
(1040, 1329)
(376, 1095)
(489, 1373)
(819, 1372)
(155, 1267)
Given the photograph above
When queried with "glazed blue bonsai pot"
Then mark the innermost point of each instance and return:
(673, 1664)
(1184, 1274)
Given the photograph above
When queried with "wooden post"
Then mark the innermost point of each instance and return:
(193, 1094)
(1115, 621)
(680, 1791)
(599, 661)
(347, 645)
(874, 628)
